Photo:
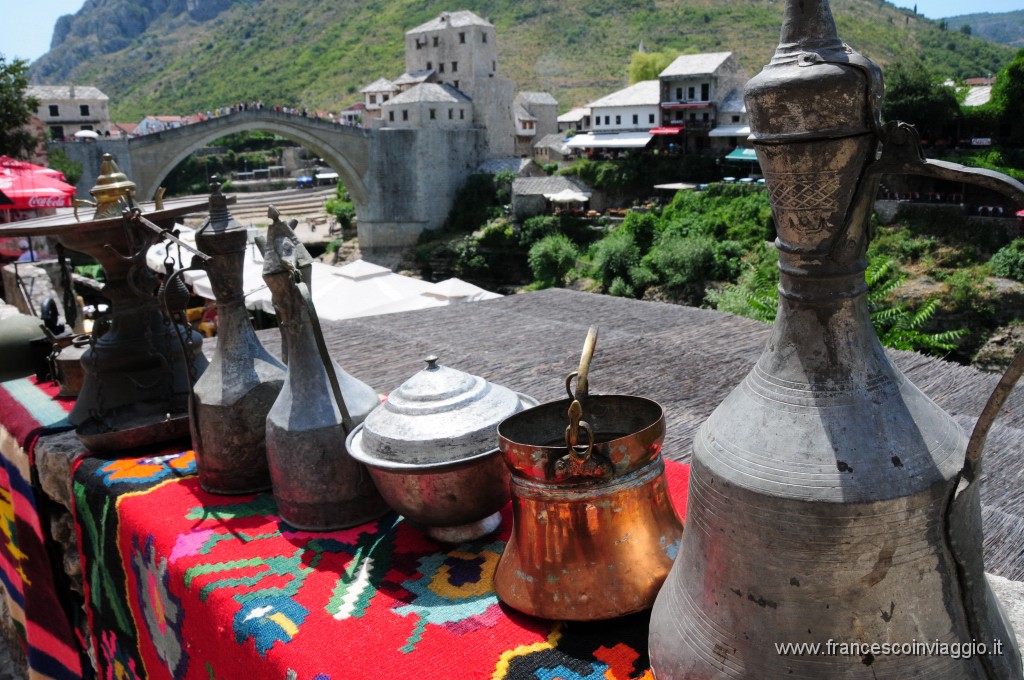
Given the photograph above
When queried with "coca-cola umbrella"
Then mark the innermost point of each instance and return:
(28, 190)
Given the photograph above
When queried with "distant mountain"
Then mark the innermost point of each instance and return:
(1006, 27)
(183, 56)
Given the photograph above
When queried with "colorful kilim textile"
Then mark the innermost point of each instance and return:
(217, 587)
(28, 573)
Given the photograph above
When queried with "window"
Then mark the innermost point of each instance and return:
(451, 114)
(679, 94)
(440, 67)
(636, 119)
(391, 116)
(433, 114)
(705, 91)
(462, 38)
(83, 109)
(455, 66)
(462, 114)
(455, 84)
(618, 120)
(386, 97)
(87, 127)
(650, 118)
(373, 99)
(405, 114)
(430, 65)
(693, 116)
(607, 120)
(494, 66)
(706, 117)
(484, 35)
(735, 119)
(691, 93)
(57, 131)
(435, 41)
(54, 111)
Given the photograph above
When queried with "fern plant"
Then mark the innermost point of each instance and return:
(756, 296)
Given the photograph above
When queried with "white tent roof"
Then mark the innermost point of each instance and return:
(614, 140)
(439, 294)
(568, 196)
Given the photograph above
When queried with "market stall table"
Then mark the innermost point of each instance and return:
(685, 358)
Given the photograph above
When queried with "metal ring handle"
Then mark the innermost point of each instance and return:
(574, 453)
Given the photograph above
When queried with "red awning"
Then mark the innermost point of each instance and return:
(667, 130)
(29, 187)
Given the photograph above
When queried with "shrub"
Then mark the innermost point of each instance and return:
(1008, 261)
(536, 228)
(684, 265)
(613, 257)
(551, 258)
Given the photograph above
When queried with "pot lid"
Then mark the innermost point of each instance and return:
(438, 416)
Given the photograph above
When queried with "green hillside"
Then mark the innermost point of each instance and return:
(152, 57)
(1006, 27)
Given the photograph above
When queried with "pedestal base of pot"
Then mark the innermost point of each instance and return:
(466, 532)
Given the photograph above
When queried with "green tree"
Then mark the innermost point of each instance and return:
(913, 95)
(15, 109)
(1008, 90)
(648, 65)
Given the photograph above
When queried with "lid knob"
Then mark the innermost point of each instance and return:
(431, 362)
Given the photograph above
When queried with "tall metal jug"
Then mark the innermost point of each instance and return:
(318, 486)
(228, 410)
(824, 505)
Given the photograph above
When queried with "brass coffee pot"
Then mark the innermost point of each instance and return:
(594, 531)
(830, 501)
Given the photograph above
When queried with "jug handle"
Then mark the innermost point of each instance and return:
(995, 402)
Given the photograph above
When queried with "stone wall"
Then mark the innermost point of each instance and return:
(413, 178)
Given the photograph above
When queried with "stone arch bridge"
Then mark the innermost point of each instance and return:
(401, 181)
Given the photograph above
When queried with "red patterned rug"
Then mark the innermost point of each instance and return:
(29, 574)
(217, 587)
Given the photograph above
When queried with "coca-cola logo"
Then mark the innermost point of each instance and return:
(48, 202)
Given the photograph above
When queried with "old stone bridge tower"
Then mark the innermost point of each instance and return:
(402, 181)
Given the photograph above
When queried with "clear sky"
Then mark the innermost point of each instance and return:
(28, 24)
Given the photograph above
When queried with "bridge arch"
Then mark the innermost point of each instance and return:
(345, 149)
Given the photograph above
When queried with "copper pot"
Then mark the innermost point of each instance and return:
(594, 533)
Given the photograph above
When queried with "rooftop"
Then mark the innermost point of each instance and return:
(380, 85)
(537, 98)
(644, 93)
(534, 186)
(65, 92)
(414, 77)
(451, 20)
(574, 115)
(695, 64)
(686, 359)
(429, 92)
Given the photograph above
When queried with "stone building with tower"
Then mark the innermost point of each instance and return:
(451, 81)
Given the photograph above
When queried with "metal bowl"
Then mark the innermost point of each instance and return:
(431, 450)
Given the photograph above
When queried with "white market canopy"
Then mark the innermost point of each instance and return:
(568, 196)
(612, 140)
(730, 131)
(356, 289)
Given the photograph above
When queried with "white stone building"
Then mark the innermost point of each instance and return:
(428, 105)
(375, 94)
(536, 116)
(67, 109)
(696, 90)
(574, 120)
(623, 119)
(457, 52)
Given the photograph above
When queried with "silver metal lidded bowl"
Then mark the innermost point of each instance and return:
(431, 448)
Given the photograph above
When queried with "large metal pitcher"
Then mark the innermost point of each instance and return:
(594, 531)
(829, 501)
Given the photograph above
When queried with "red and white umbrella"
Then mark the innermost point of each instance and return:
(29, 187)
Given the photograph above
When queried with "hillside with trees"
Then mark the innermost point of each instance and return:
(173, 57)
